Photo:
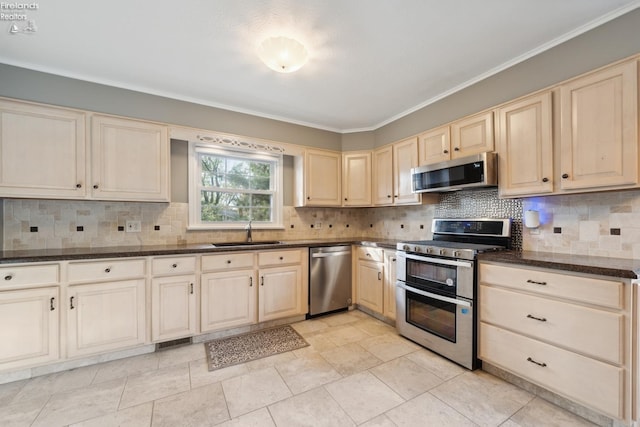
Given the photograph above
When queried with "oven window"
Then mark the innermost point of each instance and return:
(438, 275)
(432, 315)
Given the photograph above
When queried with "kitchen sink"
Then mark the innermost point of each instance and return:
(262, 242)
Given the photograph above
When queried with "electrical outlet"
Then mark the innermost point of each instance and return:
(133, 226)
(317, 225)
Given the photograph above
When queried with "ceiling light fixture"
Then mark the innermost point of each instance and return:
(283, 54)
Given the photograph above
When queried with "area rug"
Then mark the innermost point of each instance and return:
(237, 349)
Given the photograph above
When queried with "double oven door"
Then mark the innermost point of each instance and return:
(435, 306)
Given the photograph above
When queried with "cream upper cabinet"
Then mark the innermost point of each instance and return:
(356, 179)
(318, 178)
(599, 136)
(129, 160)
(42, 151)
(435, 146)
(472, 135)
(525, 146)
(405, 157)
(383, 176)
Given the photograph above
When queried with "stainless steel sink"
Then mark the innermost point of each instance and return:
(256, 243)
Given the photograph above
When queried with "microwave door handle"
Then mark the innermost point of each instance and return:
(439, 261)
(434, 296)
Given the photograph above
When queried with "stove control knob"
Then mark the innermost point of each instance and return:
(456, 254)
(443, 251)
(406, 248)
(428, 250)
(417, 249)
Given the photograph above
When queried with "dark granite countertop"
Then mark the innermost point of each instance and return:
(615, 267)
(45, 255)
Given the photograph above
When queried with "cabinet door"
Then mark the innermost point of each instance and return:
(322, 178)
(173, 307)
(280, 293)
(525, 146)
(434, 146)
(228, 299)
(29, 331)
(105, 316)
(42, 151)
(389, 303)
(599, 139)
(383, 176)
(130, 160)
(405, 157)
(370, 286)
(472, 135)
(356, 179)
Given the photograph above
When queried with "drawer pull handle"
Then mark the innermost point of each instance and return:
(107, 270)
(250, 281)
(368, 254)
(71, 303)
(537, 283)
(174, 265)
(539, 319)
(191, 288)
(544, 365)
(379, 275)
(51, 307)
(261, 280)
(8, 277)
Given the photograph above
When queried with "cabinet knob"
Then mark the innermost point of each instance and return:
(308, 198)
(395, 195)
(228, 261)
(107, 270)
(71, 307)
(565, 175)
(51, 306)
(446, 151)
(545, 179)
(261, 280)
(388, 196)
(456, 149)
(345, 199)
(174, 265)
(78, 185)
(250, 281)
(191, 288)
(95, 186)
(281, 258)
(8, 277)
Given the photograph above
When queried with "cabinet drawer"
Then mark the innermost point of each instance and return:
(29, 275)
(588, 381)
(586, 330)
(228, 261)
(370, 254)
(280, 257)
(173, 265)
(607, 293)
(106, 270)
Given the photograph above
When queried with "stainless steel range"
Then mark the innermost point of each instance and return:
(436, 288)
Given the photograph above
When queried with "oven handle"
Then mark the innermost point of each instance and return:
(438, 260)
(434, 296)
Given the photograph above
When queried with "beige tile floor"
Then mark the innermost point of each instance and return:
(356, 371)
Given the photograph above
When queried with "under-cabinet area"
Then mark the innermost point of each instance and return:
(569, 333)
(75, 309)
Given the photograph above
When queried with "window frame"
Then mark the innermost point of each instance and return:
(195, 187)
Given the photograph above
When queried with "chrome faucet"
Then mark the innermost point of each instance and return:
(248, 228)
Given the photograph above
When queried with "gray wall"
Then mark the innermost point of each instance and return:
(608, 43)
(51, 89)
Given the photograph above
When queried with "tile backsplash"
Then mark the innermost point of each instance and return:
(602, 224)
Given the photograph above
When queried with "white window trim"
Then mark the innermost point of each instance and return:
(194, 187)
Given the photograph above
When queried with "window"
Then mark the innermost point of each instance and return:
(229, 188)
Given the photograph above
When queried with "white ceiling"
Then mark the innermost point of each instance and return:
(371, 61)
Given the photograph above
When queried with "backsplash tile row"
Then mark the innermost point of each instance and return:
(600, 224)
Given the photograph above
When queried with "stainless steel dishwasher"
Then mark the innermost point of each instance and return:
(329, 279)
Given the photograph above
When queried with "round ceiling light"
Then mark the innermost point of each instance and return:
(283, 54)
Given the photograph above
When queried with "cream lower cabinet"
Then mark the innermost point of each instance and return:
(282, 292)
(389, 304)
(567, 333)
(369, 278)
(105, 305)
(30, 322)
(105, 316)
(228, 299)
(173, 298)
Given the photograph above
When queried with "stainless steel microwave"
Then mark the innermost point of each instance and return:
(479, 170)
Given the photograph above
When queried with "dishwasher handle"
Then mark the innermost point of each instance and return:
(330, 254)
